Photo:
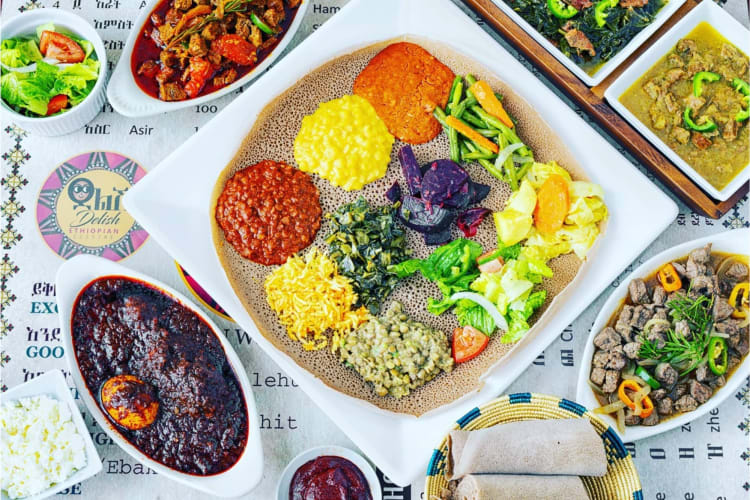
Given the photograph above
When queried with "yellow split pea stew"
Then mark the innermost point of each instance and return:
(695, 99)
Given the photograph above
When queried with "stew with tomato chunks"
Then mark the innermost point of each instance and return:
(190, 48)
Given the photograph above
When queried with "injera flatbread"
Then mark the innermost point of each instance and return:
(514, 487)
(272, 137)
(556, 447)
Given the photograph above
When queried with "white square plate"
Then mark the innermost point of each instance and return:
(53, 384)
(733, 31)
(597, 78)
(172, 204)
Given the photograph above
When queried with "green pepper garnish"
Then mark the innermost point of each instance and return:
(261, 25)
(646, 377)
(741, 86)
(708, 126)
(561, 10)
(703, 76)
(601, 11)
(717, 355)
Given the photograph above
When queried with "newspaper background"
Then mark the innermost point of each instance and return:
(709, 459)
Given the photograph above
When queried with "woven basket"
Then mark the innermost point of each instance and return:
(621, 481)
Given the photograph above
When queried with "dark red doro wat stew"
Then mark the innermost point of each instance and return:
(190, 48)
(156, 351)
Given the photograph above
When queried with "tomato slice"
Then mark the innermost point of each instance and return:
(200, 70)
(60, 47)
(468, 342)
(56, 104)
(236, 49)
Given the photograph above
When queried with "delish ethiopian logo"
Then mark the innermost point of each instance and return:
(80, 210)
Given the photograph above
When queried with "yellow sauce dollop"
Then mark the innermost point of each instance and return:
(345, 142)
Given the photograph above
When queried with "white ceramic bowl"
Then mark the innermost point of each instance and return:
(607, 68)
(735, 241)
(282, 492)
(733, 31)
(128, 99)
(244, 475)
(86, 110)
(53, 384)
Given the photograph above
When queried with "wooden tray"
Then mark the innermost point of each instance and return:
(591, 100)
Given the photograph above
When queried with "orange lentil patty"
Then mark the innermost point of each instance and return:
(269, 211)
(404, 83)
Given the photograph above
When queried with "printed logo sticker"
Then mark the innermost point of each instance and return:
(199, 293)
(80, 210)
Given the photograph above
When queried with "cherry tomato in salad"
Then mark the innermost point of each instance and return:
(57, 104)
(236, 49)
(58, 46)
(468, 342)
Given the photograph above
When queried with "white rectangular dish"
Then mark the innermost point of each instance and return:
(52, 383)
(600, 74)
(172, 204)
(733, 31)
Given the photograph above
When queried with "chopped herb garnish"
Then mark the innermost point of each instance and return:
(685, 354)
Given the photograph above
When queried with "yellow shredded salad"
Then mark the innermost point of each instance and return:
(345, 142)
(310, 297)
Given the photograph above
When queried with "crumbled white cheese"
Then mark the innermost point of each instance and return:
(40, 445)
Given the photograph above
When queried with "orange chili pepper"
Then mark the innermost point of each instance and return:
(741, 292)
(648, 405)
(669, 278)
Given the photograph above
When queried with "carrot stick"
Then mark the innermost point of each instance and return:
(552, 204)
(472, 134)
(491, 104)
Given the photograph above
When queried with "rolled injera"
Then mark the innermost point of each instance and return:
(553, 447)
(515, 487)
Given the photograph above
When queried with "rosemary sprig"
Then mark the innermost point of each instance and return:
(229, 7)
(684, 354)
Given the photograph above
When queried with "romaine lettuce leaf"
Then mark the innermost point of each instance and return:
(470, 313)
(44, 27)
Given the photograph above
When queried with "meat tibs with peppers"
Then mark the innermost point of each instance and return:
(695, 99)
(190, 48)
(676, 339)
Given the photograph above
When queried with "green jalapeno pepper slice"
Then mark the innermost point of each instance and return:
(601, 11)
(717, 355)
(643, 374)
(708, 126)
(703, 76)
(561, 10)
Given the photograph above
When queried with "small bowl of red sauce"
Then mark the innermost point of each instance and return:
(329, 473)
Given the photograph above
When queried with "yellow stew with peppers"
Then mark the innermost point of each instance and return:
(674, 341)
(695, 99)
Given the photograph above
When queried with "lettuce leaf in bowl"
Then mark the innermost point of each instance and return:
(30, 90)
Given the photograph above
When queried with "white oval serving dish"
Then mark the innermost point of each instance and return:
(52, 383)
(734, 241)
(127, 98)
(87, 109)
(733, 31)
(320, 451)
(245, 474)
